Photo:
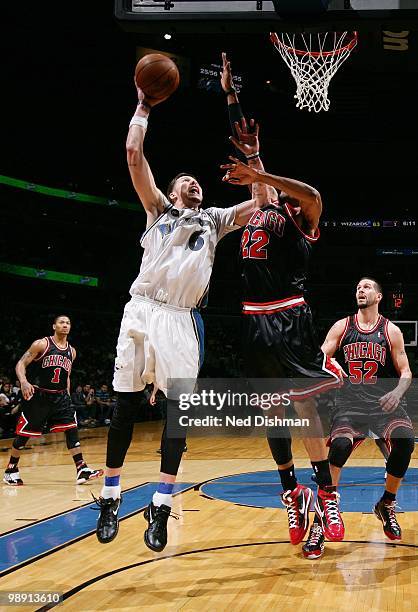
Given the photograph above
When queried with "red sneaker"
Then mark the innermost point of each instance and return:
(328, 512)
(297, 504)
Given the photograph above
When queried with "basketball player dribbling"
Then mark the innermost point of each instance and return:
(279, 340)
(49, 402)
(161, 334)
(371, 350)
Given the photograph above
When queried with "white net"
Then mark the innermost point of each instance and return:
(313, 60)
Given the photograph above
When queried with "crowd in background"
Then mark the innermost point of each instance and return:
(92, 398)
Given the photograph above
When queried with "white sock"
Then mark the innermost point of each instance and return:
(108, 492)
(158, 499)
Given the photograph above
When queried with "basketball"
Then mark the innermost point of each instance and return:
(157, 76)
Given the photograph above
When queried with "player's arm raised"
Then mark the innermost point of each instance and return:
(390, 401)
(245, 138)
(34, 351)
(142, 178)
(309, 198)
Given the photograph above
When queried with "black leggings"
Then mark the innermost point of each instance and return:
(121, 427)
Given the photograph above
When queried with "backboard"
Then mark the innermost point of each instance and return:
(256, 16)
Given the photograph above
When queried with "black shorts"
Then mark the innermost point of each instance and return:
(283, 345)
(358, 426)
(52, 409)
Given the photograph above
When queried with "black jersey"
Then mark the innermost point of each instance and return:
(366, 357)
(53, 367)
(274, 254)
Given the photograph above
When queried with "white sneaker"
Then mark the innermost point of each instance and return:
(12, 478)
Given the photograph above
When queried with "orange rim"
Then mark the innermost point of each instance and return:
(350, 45)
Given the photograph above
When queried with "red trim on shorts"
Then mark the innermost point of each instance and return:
(317, 388)
(367, 331)
(394, 425)
(46, 350)
(310, 238)
(50, 390)
(20, 428)
(313, 390)
(62, 426)
(261, 308)
(343, 430)
(292, 297)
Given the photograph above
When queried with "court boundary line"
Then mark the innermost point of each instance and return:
(75, 540)
(47, 518)
(186, 553)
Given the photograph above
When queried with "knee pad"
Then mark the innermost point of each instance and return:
(20, 442)
(339, 451)
(71, 438)
(403, 444)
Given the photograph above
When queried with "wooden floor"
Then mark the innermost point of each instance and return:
(220, 555)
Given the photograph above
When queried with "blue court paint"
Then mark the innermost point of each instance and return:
(34, 540)
(360, 488)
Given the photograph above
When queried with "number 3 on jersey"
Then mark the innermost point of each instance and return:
(253, 245)
(56, 377)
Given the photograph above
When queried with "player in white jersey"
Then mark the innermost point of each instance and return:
(161, 332)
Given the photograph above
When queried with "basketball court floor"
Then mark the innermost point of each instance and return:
(229, 546)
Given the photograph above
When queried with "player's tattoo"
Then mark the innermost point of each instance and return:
(402, 352)
(26, 355)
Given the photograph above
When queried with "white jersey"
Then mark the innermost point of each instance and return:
(179, 251)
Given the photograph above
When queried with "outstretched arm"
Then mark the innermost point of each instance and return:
(244, 138)
(34, 351)
(142, 178)
(390, 401)
(309, 199)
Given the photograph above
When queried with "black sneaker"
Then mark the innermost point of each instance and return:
(314, 545)
(85, 474)
(108, 522)
(155, 536)
(385, 512)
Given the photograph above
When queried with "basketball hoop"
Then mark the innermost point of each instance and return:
(313, 60)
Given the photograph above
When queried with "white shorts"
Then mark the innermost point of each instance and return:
(157, 342)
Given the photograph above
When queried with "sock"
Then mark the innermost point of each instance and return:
(79, 461)
(111, 487)
(163, 494)
(323, 475)
(388, 497)
(12, 465)
(288, 478)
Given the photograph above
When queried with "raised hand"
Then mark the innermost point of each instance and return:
(247, 137)
(226, 74)
(238, 173)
